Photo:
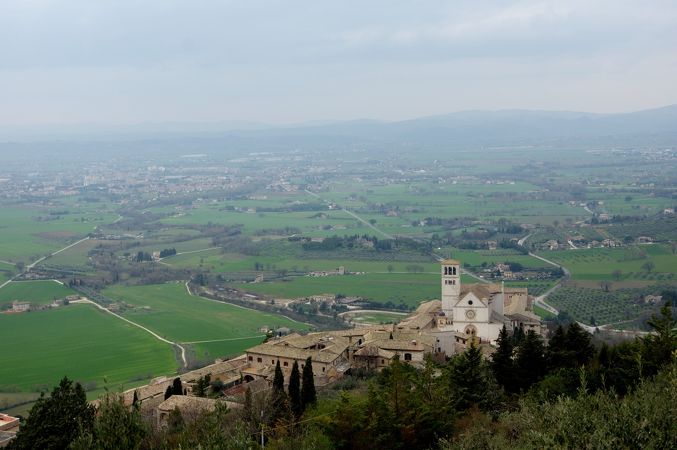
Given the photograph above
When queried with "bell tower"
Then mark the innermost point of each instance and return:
(451, 285)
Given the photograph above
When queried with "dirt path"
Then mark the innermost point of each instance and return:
(155, 335)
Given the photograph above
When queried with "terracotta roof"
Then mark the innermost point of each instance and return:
(429, 307)
(281, 351)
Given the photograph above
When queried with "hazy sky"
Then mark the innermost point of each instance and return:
(125, 61)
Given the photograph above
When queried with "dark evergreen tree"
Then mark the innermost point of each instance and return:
(168, 392)
(295, 390)
(469, 380)
(658, 347)
(278, 379)
(308, 394)
(55, 421)
(578, 343)
(557, 352)
(502, 364)
(177, 387)
(135, 400)
(530, 361)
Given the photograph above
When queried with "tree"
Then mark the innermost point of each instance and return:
(660, 346)
(168, 392)
(469, 380)
(605, 285)
(295, 390)
(530, 360)
(308, 394)
(278, 380)
(617, 274)
(391, 268)
(177, 387)
(55, 421)
(502, 364)
(115, 427)
(648, 266)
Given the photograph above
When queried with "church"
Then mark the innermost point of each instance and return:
(471, 312)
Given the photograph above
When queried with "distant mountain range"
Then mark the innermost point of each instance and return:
(504, 127)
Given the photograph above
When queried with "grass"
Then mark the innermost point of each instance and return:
(81, 342)
(37, 292)
(408, 288)
(26, 233)
(170, 311)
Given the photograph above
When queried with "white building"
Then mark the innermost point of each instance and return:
(471, 312)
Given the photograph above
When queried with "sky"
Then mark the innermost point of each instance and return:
(141, 61)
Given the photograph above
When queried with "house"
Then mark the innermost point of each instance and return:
(190, 408)
(8, 428)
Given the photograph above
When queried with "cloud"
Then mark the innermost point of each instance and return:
(284, 60)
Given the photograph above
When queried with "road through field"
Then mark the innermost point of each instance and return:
(152, 333)
(35, 263)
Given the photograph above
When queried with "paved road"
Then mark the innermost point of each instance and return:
(155, 335)
(523, 240)
(33, 264)
(540, 300)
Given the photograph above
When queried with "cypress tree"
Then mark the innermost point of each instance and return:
(278, 380)
(502, 364)
(177, 387)
(308, 394)
(135, 400)
(168, 392)
(295, 390)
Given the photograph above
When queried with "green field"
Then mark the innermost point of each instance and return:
(81, 342)
(232, 262)
(600, 263)
(37, 292)
(408, 288)
(26, 233)
(170, 311)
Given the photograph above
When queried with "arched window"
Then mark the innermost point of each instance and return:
(453, 270)
(471, 330)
